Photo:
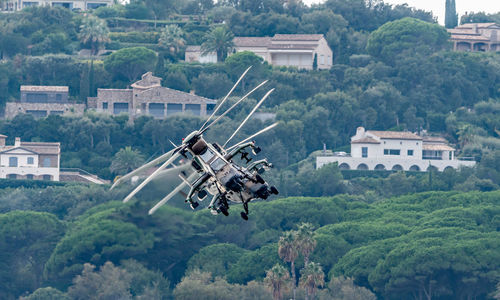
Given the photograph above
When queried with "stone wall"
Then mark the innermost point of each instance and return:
(14, 108)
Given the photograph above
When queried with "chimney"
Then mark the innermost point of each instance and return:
(192, 92)
(2, 140)
(360, 131)
(17, 143)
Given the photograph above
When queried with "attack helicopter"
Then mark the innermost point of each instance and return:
(212, 168)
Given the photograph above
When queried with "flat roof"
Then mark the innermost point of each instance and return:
(44, 88)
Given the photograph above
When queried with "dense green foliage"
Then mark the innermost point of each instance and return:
(397, 235)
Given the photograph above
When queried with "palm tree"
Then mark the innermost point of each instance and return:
(305, 240)
(311, 276)
(219, 40)
(171, 38)
(277, 279)
(126, 160)
(288, 251)
(94, 31)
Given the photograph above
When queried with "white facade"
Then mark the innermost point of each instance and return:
(15, 5)
(392, 150)
(29, 160)
(289, 50)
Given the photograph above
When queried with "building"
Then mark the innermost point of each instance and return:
(395, 150)
(15, 5)
(148, 97)
(41, 101)
(194, 54)
(29, 160)
(476, 37)
(290, 50)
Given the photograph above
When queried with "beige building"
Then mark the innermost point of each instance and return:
(290, 50)
(15, 5)
(41, 101)
(29, 160)
(476, 37)
(396, 151)
(148, 97)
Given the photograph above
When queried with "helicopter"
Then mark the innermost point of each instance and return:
(212, 168)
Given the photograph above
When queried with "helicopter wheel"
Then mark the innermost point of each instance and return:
(274, 190)
(259, 179)
(244, 216)
(223, 210)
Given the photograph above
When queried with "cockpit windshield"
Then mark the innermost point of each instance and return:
(217, 164)
(207, 155)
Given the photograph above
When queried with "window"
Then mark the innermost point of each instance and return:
(157, 109)
(120, 107)
(37, 113)
(31, 160)
(210, 108)
(173, 108)
(47, 162)
(195, 109)
(46, 177)
(94, 5)
(30, 176)
(58, 97)
(392, 152)
(322, 59)
(12, 176)
(12, 161)
(410, 152)
(36, 98)
(364, 151)
(430, 154)
(105, 105)
(450, 155)
(56, 112)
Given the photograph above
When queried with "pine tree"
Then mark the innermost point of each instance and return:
(451, 16)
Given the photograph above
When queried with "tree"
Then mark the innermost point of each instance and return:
(288, 251)
(130, 62)
(171, 37)
(277, 279)
(93, 32)
(450, 16)
(218, 40)
(305, 240)
(47, 293)
(27, 239)
(109, 282)
(311, 276)
(126, 160)
(406, 37)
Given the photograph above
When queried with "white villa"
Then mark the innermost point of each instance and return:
(395, 150)
(29, 160)
(15, 5)
(290, 50)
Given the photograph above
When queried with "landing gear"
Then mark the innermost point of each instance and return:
(274, 190)
(259, 179)
(244, 214)
(194, 205)
(223, 210)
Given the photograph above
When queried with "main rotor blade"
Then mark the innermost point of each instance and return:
(248, 117)
(150, 164)
(150, 177)
(171, 194)
(225, 98)
(254, 135)
(234, 105)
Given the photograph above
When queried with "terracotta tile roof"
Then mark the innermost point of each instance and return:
(434, 139)
(42, 148)
(242, 41)
(437, 147)
(399, 135)
(365, 140)
(43, 88)
(297, 37)
(193, 48)
(293, 46)
(479, 25)
(469, 37)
